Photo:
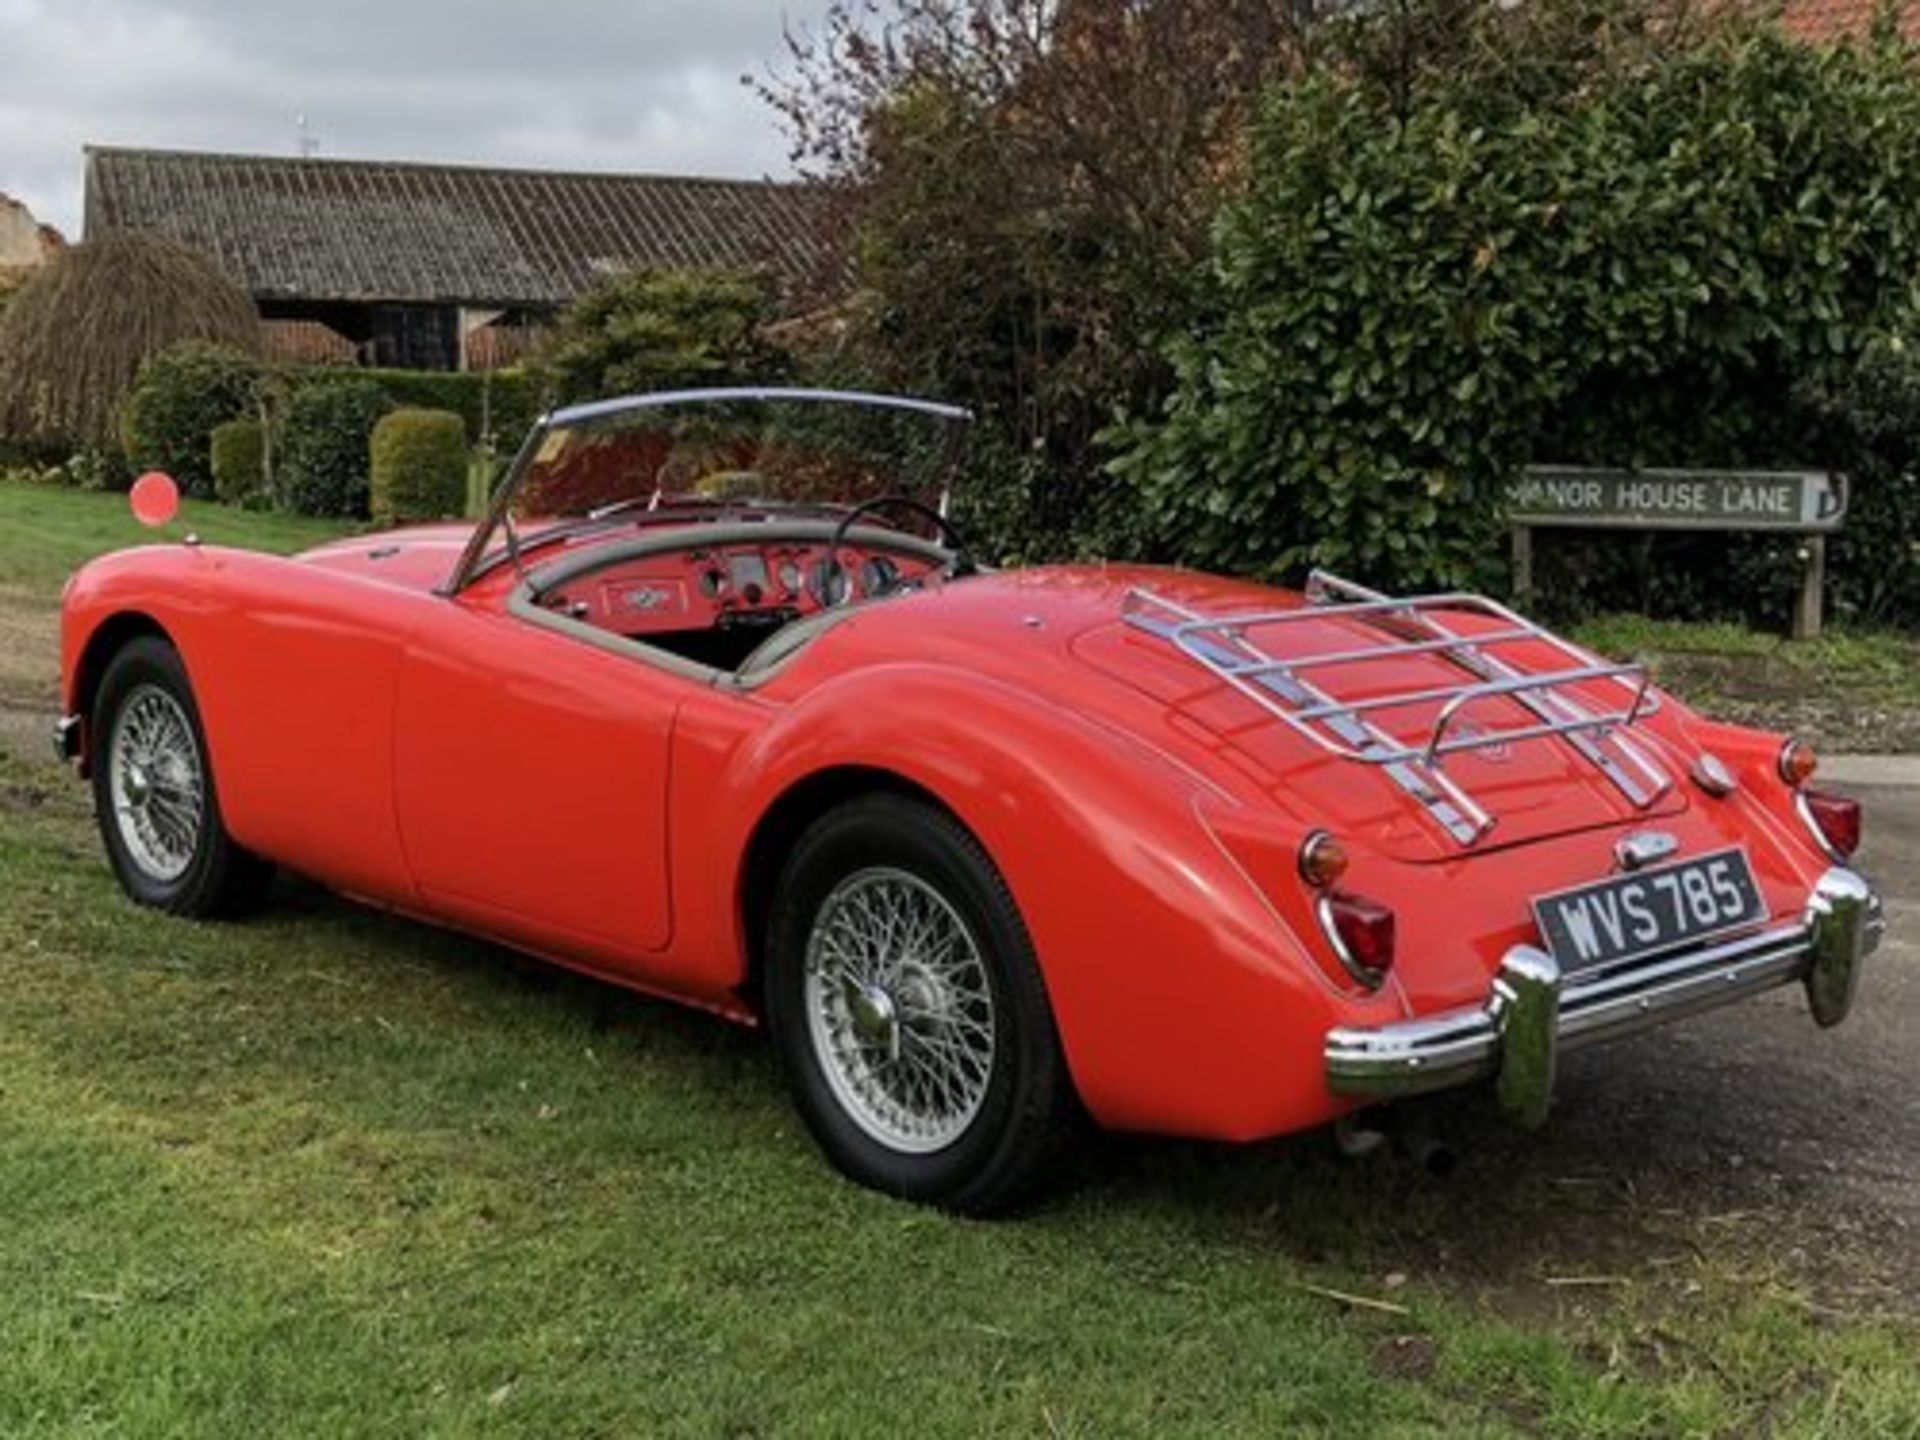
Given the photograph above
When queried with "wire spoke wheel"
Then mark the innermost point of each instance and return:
(155, 783)
(899, 1009)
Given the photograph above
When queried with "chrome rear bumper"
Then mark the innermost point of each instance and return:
(1533, 1012)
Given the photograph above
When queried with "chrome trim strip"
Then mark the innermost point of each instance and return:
(1323, 912)
(1509, 1035)
(1805, 812)
(743, 394)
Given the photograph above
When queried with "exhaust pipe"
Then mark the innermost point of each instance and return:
(1366, 1132)
(1429, 1152)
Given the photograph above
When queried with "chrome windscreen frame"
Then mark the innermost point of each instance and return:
(474, 559)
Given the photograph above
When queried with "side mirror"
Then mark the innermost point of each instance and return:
(154, 499)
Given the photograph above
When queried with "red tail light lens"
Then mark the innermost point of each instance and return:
(1362, 932)
(1834, 818)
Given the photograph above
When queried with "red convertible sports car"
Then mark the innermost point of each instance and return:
(985, 851)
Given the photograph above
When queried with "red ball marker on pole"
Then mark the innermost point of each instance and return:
(155, 499)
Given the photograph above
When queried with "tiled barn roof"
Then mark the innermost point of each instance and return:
(362, 230)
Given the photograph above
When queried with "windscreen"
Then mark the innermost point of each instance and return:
(717, 452)
(713, 451)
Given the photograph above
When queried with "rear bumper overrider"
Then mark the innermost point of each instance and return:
(1533, 1011)
(66, 737)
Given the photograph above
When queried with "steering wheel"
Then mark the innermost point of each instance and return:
(961, 566)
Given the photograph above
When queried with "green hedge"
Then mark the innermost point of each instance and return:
(419, 466)
(238, 450)
(1637, 264)
(180, 396)
(326, 430)
(504, 403)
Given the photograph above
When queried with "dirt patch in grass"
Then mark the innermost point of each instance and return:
(29, 650)
(1406, 1357)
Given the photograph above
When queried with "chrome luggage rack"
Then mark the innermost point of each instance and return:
(1413, 625)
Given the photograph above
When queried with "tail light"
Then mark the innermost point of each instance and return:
(1323, 860)
(1362, 934)
(1834, 820)
(1797, 763)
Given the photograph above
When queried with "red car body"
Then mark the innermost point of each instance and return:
(445, 756)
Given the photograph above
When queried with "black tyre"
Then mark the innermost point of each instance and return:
(153, 791)
(909, 1012)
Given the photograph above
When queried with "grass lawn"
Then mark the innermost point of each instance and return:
(327, 1172)
(47, 530)
(1846, 691)
(331, 1173)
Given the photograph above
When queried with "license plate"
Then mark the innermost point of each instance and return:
(1650, 910)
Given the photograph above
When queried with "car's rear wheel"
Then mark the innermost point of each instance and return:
(909, 1011)
(153, 791)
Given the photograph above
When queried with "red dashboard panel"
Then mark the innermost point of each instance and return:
(695, 589)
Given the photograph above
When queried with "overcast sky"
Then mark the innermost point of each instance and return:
(650, 85)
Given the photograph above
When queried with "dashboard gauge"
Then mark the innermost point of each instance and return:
(790, 576)
(830, 582)
(749, 570)
(879, 576)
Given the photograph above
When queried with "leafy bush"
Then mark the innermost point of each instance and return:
(419, 466)
(181, 395)
(238, 451)
(664, 330)
(1873, 422)
(500, 405)
(1030, 186)
(1631, 262)
(96, 470)
(325, 438)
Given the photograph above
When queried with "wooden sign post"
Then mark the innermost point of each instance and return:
(1808, 503)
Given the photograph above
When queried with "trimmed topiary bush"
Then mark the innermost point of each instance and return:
(181, 395)
(324, 444)
(238, 451)
(419, 466)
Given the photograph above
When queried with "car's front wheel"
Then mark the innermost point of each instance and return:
(909, 1011)
(153, 790)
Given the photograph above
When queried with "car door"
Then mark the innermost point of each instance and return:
(530, 780)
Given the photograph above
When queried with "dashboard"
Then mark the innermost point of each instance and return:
(745, 585)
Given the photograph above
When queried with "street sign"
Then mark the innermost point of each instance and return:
(1800, 501)
(1811, 503)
